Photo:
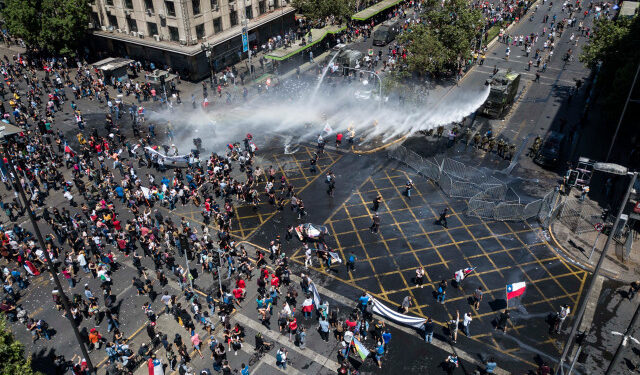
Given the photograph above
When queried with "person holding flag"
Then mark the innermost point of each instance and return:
(460, 275)
(451, 363)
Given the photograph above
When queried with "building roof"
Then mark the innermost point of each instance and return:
(317, 35)
(629, 8)
(371, 11)
(111, 63)
(192, 50)
(7, 129)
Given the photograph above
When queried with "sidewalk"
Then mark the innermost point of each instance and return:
(576, 248)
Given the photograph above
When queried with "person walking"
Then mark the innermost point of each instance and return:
(477, 297)
(442, 292)
(565, 310)
(308, 262)
(503, 320)
(466, 322)
(375, 225)
(453, 327)
(406, 303)
(351, 262)
(376, 203)
(451, 363)
(633, 289)
(408, 187)
(281, 358)
(443, 218)
(428, 330)
(420, 277)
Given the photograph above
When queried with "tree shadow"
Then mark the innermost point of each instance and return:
(43, 360)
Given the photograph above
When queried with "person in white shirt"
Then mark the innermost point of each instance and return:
(466, 322)
(307, 257)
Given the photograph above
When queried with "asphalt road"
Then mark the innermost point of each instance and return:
(502, 252)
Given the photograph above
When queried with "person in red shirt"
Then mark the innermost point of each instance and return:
(293, 327)
(239, 295)
(338, 139)
(351, 324)
(241, 284)
(275, 281)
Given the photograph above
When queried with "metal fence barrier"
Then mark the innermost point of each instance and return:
(488, 197)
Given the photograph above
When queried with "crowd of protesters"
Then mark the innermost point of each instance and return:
(121, 197)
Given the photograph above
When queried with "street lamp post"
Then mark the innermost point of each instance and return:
(619, 170)
(208, 52)
(13, 176)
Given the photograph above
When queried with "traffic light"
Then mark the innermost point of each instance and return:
(580, 338)
(572, 177)
(184, 244)
(605, 214)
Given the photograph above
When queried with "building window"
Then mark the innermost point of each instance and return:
(262, 7)
(113, 21)
(233, 17)
(171, 8)
(128, 4)
(132, 24)
(200, 31)
(148, 5)
(249, 12)
(174, 35)
(196, 6)
(217, 25)
(214, 5)
(152, 28)
(95, 19)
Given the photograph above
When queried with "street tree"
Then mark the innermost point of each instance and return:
(22, 18)
(615, 47)
(445, 39)
(12, 359)
(56, 26)
(321, 9)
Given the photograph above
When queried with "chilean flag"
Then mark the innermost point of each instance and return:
(155, 367)
(468, 270)
(515, 290)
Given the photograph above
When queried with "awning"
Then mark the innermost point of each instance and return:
(375, 9)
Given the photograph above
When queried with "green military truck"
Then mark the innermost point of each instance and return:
(504, 86)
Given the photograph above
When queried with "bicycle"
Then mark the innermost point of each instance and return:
(259, 353)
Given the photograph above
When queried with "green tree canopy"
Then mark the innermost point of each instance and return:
(615, 44)
(57, 26)
(445, 38)
(320, 9)
(12, 359)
